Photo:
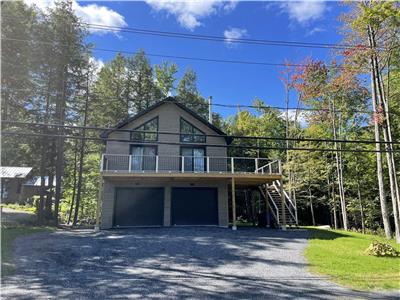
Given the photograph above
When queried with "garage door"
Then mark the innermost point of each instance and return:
(139, 207)
(194, 206)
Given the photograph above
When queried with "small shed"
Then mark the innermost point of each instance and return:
(12, 179)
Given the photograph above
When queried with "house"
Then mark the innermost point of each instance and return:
(12, 179)
(19, 186)
(168, 166)
(32, 186)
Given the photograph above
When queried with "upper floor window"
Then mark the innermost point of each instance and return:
(151, 125)
(191, 134)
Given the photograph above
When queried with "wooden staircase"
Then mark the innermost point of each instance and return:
(272, 195)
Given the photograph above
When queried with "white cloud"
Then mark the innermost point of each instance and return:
(299, 116)
(97, 64)
(304, 12)
(315, 30)
(234, 33)
(92, 13)
(189, 13)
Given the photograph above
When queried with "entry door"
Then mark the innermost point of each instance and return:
(194, 159)
(143, 158)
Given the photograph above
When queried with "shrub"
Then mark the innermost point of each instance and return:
(381, 249)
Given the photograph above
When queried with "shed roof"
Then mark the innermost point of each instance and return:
(180, 105)
(14, 172)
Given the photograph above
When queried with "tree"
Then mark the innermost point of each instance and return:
(165, 75)
(188, 94)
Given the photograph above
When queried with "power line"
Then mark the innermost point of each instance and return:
(216, 38)
(202, 59)
(194, 144)
(241, 105)
(164, 132)
(220, 38)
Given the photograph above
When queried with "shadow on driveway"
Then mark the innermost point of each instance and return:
(169, 263)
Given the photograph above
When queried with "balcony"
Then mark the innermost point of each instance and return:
(162, 164)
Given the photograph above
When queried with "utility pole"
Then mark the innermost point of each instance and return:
(209, 109)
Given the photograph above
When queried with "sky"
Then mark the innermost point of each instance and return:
(305, 21)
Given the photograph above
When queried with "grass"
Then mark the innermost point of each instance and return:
(341, 255)
(8, 236)
(20, 207)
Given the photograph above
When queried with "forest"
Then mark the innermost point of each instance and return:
(339, 146)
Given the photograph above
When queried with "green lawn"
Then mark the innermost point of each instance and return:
(8, 235)
(341, 255)
(20, 207)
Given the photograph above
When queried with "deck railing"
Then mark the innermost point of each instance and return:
(119, 163)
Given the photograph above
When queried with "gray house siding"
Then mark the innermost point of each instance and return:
(168, 120)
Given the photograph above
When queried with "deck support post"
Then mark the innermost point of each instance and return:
(283, 210)
(234, 227)
(98, 208)
(267, 208)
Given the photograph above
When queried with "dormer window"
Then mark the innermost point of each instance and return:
(151, 125)
(190, 133)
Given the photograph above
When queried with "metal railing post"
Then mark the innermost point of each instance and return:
(270, 168)
(183, 164)
(208, 164)
(256, 162)
(280, 166)
(232, 165)
(102, 163)
(130, 163)
(156, 163)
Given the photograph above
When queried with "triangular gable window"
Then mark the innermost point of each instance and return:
(190, 133)
(151, 125)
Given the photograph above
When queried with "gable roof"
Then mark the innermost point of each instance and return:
(161, 102)
(14, 172)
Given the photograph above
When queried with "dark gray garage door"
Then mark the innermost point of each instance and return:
(194, 206)
(139, 207)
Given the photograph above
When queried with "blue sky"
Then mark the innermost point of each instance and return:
(309, 21)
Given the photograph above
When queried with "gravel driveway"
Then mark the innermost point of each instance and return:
(169, 263)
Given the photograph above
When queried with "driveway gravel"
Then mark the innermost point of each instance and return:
(169, 263)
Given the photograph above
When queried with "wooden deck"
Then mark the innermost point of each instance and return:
(240, 178)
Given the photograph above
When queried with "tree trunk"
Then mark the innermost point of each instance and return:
(339, 170)
(378, 102)
(311, 205)
(74, 186)
(81, 155)
(334, 207)
(60, 113)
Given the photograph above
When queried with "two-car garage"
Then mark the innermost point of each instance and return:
(143, 206)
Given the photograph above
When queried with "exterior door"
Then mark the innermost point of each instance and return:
(194, 206)
(194, 159)
(143, 158)
(139, 207)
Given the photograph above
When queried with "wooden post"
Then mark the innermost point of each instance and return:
(267, 208)
(234, 227)
(99, 201)
(282, 204)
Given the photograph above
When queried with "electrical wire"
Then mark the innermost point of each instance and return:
(111, 129)
(196, 144)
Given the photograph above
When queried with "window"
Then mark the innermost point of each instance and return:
(191, 134)
(151, 125)
(143, 158)
(194, 159)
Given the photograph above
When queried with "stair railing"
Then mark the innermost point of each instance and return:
(276, 185)
(276, 215)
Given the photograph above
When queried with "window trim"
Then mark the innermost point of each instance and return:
(144, 134)
(203, 134)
